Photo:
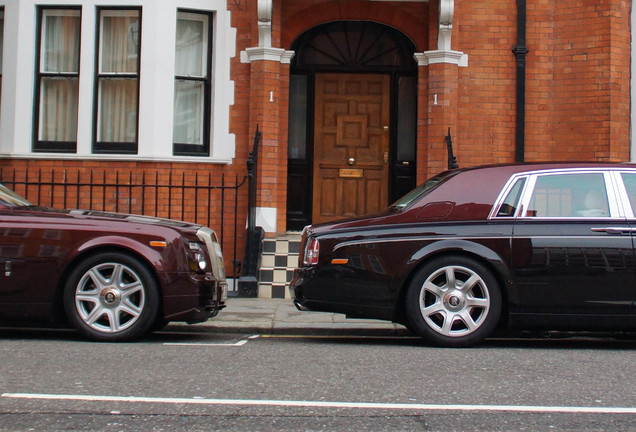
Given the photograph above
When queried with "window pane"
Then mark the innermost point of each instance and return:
(119, 41)
(630, 185)
(572, 195)
(188, 112)
(407, 118)
(191, 115)
(117, 116)
(509, 206)
(58, 109)
(297, 117)
(1, 45)
(191, 45)
(60, 41)
(1, 37)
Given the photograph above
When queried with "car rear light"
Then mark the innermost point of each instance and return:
(311, 252)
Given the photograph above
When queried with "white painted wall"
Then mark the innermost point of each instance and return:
(156, 83)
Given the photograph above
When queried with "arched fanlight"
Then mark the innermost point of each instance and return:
(353, 46)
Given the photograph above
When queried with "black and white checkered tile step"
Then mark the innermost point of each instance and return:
(278, 261)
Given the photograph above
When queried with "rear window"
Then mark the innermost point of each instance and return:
(423, 190)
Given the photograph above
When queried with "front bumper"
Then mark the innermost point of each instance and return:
(193, 298)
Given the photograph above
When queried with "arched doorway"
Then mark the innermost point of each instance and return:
(352, 121)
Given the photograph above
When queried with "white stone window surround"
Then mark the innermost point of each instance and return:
(158, 19)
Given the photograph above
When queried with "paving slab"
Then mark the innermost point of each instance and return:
(280, 316)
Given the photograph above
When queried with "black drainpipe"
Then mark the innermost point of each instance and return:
(520, 52)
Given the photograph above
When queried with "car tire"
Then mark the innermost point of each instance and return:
(111, 297)
(453, 301)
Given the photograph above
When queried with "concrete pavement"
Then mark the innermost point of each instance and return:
(279, 316)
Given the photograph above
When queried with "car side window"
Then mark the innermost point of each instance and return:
(629, 180)
(581, 195)
(511, 202)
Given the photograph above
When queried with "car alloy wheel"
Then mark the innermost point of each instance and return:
(453, 301)
(111, 297)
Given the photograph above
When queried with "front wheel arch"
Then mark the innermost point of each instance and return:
(86, 254)
(144, 305)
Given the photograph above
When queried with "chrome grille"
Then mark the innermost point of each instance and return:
(208, 236)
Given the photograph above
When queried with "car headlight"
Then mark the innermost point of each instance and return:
(200, 263)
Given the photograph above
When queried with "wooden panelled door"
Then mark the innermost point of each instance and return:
(351, 145)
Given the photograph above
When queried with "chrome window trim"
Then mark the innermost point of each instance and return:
(615, 205)
(622, 192)
(512, 181)
(527, 194)
(618, 198)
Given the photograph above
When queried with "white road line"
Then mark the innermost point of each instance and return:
(325, 404)
(205, 344)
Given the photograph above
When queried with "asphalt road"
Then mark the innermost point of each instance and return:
(50, 380)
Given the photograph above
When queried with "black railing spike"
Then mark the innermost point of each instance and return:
(452, 161)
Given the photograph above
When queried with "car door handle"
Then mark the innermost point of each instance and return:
(614, 230)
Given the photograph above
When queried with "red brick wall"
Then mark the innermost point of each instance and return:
(487, 32)
(299, 16)
(578, 81)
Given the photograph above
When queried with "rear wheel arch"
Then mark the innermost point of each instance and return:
(497, 268)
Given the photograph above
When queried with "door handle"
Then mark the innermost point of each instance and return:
(614, 230)
(351, 161)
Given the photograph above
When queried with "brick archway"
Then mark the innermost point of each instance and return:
(400, 19)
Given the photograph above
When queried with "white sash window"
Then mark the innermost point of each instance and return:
(191, 123)
(118, 81)
(57, 87)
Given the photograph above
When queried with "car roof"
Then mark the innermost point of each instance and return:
(538, 166)
(474, 190)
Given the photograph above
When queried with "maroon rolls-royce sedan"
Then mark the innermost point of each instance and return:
(547, 246)
(111, 276)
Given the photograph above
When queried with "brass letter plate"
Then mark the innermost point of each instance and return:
(351, 173)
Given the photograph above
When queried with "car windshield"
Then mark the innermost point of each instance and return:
(422, 190)
(12, 199)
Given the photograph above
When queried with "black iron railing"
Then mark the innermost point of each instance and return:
(193, 197)
(248, 282)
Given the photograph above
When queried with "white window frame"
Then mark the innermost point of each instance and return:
(40, 145)
(202, 149)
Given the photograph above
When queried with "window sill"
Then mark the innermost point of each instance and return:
(117, 157)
